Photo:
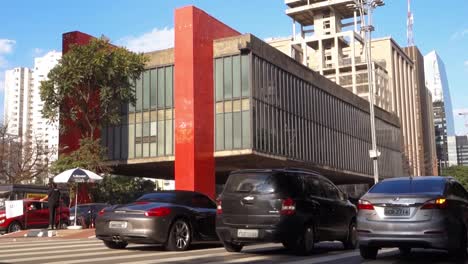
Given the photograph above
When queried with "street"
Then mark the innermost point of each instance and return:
(54, 251)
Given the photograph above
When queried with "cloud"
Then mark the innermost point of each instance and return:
(38, 51)
(2, 82)
(156, 39)
(466, 63)
(459, 34)
(6, 46)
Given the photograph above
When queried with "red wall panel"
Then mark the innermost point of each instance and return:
(195, 31)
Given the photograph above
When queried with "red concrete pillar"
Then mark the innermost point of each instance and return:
(195, 31)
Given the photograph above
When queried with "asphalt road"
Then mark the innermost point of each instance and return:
(55, 251)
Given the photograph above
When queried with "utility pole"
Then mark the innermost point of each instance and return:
(366, 7)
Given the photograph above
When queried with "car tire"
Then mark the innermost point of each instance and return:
(305, 243)
(180, 236)
(232, 247)
(14, 227)
(368, 252)
(115, 245)
(405, 251)
(351, 239)
(288, 244)
(63, 225)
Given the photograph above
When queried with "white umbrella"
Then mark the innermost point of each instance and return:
(76, 175)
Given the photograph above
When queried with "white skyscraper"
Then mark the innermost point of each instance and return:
(23, 104)
(42, 129)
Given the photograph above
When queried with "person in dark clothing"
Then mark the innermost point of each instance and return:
(53, 200)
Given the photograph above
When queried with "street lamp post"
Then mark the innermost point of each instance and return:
(366, 7)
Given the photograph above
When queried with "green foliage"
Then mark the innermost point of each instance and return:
(120, 189)
(458, 172)
(90, 84)
(90, 155)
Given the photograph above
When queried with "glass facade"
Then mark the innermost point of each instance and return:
(146, 129)
(232, 103)
(295, 119)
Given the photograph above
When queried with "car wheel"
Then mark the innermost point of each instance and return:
(368, 252)
(180, 236)
(63, 225)
(305, 243)
(351, 239)
(14, 227)
(232, 247)
(405, 251)
(115, 245)
(288, 244)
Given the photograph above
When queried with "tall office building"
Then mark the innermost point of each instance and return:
(437, 83)
(23, 106)
(330, 43)
(457, 150)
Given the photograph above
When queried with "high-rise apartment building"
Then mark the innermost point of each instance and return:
(23, 106)
(330, 42)
(437, 83)
(16, 105)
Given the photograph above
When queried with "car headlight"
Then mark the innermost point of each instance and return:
(72, 217)
(2, 215)
(2, 221)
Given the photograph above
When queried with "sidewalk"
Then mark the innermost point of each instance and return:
(61, 233)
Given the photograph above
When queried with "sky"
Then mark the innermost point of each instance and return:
(32, 28)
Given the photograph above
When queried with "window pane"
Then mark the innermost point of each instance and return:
(169, 137)
(154, 85)
(219, 79)
(246, 129)
(117, 140)
(139, 98)
(245, 74)
(161, 82)
(236, 77)
(237, 130)
(228, 78)
(219, 131)
(160, 138)
(169, 86)
(110, 139)
(146, 90)
(228, 130)
(131, 107)
(131, 141)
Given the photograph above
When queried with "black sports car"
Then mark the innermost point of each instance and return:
(86, 213)
(172, 218)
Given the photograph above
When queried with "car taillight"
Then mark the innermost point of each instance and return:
(288, 207)
(440, 203)
(159, 211)
(102, 211)
(365, 205)
(219, 207)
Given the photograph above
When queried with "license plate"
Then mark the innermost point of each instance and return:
(117, 224)
(397, 211)
(251, 233)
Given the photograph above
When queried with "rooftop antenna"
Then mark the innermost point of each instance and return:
(409, 24)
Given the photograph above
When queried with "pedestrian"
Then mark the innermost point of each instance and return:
(53, 200)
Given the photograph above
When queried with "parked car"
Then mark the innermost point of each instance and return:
(292, 206)
(414, 212)
(36, 215)
(175, 219)
(86, 213)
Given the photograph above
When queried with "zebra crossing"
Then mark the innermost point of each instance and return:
(69, 251)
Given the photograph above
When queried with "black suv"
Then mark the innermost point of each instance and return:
(292, 206)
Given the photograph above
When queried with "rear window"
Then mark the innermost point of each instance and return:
(261, 183)
(158, 197)
(409, 186)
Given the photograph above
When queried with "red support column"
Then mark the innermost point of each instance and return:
(195, 31)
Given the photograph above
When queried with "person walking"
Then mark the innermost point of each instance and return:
(53, 200)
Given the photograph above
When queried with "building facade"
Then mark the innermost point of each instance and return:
(437, 83)
(457, 150)
(230, 101)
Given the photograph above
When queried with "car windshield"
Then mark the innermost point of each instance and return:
(408, 186)
(161, 197)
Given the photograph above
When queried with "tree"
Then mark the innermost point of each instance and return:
(120, 189)
(90, 84)
(458, 172)
(22, 161)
